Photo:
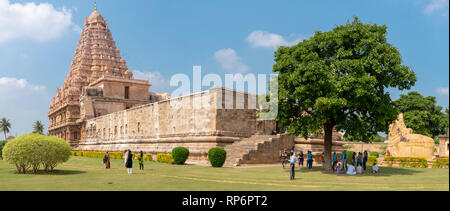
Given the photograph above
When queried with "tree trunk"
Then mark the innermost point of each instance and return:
(327, 145)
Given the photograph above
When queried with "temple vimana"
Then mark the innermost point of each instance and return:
(102, 107)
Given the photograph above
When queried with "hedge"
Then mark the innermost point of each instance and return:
(371, 160)
(415, 162)
(217, 156)
(164, 158)
(376, 154)
(112, 155)
(349, 157)
(180, 155)
(34, 151)
(440, 163)
(2, 144)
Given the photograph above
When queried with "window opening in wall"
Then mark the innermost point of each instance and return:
(127, 92)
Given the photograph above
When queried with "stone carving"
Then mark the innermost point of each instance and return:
(404, 143)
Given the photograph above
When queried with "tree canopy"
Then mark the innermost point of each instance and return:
(339, 79)
(5, 126)
(422, 114)
(38, 127)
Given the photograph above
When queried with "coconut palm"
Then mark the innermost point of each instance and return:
(5, 125)
(38, 127)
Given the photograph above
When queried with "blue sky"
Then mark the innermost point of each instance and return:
(159, 38)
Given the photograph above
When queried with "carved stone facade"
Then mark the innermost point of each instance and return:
(98, 83)
(404, 143)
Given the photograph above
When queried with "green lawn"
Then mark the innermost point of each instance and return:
(81, 173)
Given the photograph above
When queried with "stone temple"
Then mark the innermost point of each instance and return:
(101, 107)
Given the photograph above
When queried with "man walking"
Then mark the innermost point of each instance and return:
(292, 161)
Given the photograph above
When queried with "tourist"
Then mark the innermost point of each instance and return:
(339, 169)
(350, 169)
(359, 169)
(141, 160)
(375, 168)
(309, 160)
(107, 160)
(283, 158)
(344, 159)
(292, 161)
(365, 158)
(353, 158)
(129, 162)
(300, 159)
(359, 159)
(125, 157)
(335, 160)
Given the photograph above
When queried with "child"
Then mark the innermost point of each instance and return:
(339, 169)
(375, 168)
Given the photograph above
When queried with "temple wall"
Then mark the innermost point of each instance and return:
(192, 121)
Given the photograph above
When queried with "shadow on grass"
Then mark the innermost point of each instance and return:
(55, 172)
(384, 171)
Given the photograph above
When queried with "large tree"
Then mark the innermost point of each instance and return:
(38, 127)
(339, 79)
(422, 114)
(5, 126)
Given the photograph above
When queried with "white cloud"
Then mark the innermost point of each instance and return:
(23, 103)
(269, 40)
(230, 61)
(40, 22)
(442, 91)
(156, 79)
(18, 84)
(437, 6)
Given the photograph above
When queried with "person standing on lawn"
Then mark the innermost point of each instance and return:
(301, 158)
(344, 160)
(107, 160)
(292, 161)
(309, 160)
(141, 160)
(129, 162)
(335, 160)
(365, 158)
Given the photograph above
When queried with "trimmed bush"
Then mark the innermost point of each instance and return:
(164, 158)
(349, 157)
(180, 155)
(376, 154)
(407, 161)
(440, 163)
(217, 156)
(2, 144)
(35, 150)
(371, 160)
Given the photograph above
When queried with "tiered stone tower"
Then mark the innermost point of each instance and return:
(96, 59)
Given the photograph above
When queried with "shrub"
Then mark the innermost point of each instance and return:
(180, 155)
(164, 158)
(217, 156)
(376, 154)
(407, 161)
(440, 163)
(2, 144)
(349, 157)
(372, 160)
(36, 150)
(148, 157)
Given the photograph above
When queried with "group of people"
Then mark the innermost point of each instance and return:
(128, 160)
(339, 166)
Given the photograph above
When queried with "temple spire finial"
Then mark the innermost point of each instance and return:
(95, 6)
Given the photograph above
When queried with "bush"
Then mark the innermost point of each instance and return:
(164, 158)
(180, 155)
(440, 163)
(36, 150)
(217, 156)
(375, 154)
(2, 144)
(349, 157)
(372, 160)
(407, 161)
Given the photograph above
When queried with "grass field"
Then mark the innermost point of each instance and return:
(86, 174)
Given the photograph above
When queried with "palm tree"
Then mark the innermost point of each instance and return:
(5, 125)
(38, 127)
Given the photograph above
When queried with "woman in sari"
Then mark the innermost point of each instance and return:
(129, 162)
(107, 160)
